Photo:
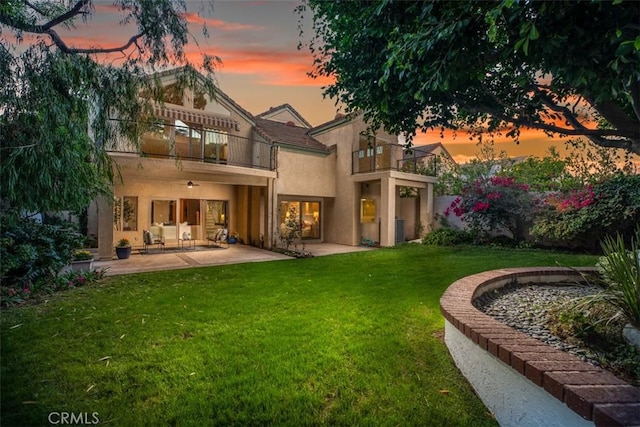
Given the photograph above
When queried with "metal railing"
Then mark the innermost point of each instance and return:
(392, 157)
(202, 146)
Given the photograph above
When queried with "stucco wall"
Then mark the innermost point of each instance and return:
(440, 205)
(511, 397)
(306, 174)
(343, 213)
(147, 190)
(406, 210)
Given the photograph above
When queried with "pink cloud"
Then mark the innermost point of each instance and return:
(195, 18)
(269, 67)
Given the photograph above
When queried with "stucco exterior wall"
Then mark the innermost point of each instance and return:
(147, 190)
(306, 174)
(406, 210)
(343, 214)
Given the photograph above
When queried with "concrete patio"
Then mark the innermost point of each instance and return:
(205, 256)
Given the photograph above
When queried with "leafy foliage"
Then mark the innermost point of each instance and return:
(580, 219)
(487, 66)
(620, 269)
(290, 229)
(10, 296)
(53, 156)
(495, 204)
(31, 252)
(446, 236)
(596, 329)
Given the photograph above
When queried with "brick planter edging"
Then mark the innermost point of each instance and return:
(591, 392)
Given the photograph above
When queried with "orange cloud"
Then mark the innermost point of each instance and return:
(269, 67)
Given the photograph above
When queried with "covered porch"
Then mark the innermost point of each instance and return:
(384, 217)
(182, 200)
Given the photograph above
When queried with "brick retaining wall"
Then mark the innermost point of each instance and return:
(591, 392)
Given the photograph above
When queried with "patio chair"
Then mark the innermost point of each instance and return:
(148, 239)
(217, 237)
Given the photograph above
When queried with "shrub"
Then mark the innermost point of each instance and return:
(448, 237)
(491, 205)
(82, 255)
(584, 326)
(31, 251)
(10, 296)
(581, 218)
(620, 270)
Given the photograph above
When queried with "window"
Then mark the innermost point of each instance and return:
(379, 149)
(216, 145)
(163, 212)
(190, 211)
(367, 210)
(304, 213)
(125, 213)
(215, 215)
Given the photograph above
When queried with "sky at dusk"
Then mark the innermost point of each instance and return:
(262, 66)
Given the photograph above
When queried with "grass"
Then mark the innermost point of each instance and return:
(337, 340)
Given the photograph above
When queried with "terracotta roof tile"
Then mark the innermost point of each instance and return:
(288, 134)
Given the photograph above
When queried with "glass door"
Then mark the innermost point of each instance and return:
(215, 215)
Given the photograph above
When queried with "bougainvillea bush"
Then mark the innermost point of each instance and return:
(496, 205)
(580, 219)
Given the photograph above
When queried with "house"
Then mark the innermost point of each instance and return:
(443, 161)
(208, 163)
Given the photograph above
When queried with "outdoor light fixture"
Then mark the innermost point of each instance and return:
(189, 184)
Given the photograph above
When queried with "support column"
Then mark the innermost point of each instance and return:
(105, 228)
(426, 208)
(272, 214)
(388, 212)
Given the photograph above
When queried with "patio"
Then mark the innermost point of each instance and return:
(203, 256)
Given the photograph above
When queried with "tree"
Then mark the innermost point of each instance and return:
(560, 67)
(60, 104)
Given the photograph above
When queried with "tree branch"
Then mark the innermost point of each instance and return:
(57, 40)
(47, 29)
(34, 7)
(58, 20)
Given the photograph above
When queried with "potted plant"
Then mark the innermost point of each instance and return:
(82, 261)
(123, 249)
(233, 237)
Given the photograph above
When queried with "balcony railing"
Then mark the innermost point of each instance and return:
(392, 157)
(202, 145)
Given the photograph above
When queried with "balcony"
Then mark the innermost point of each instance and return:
(390, 157)
(201, 145)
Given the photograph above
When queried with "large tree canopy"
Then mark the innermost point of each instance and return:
(58, 101)
(566, 68)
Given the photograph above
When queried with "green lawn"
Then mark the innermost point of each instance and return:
(338, 340)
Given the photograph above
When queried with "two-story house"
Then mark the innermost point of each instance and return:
(209, 163)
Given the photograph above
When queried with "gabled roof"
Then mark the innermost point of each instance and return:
(430, 148)
(288, 135)
(288, 108)
(220, 95)
(339, 120)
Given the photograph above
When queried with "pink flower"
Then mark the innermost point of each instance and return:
(504, 181)
(493, 196)
(480, 206)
